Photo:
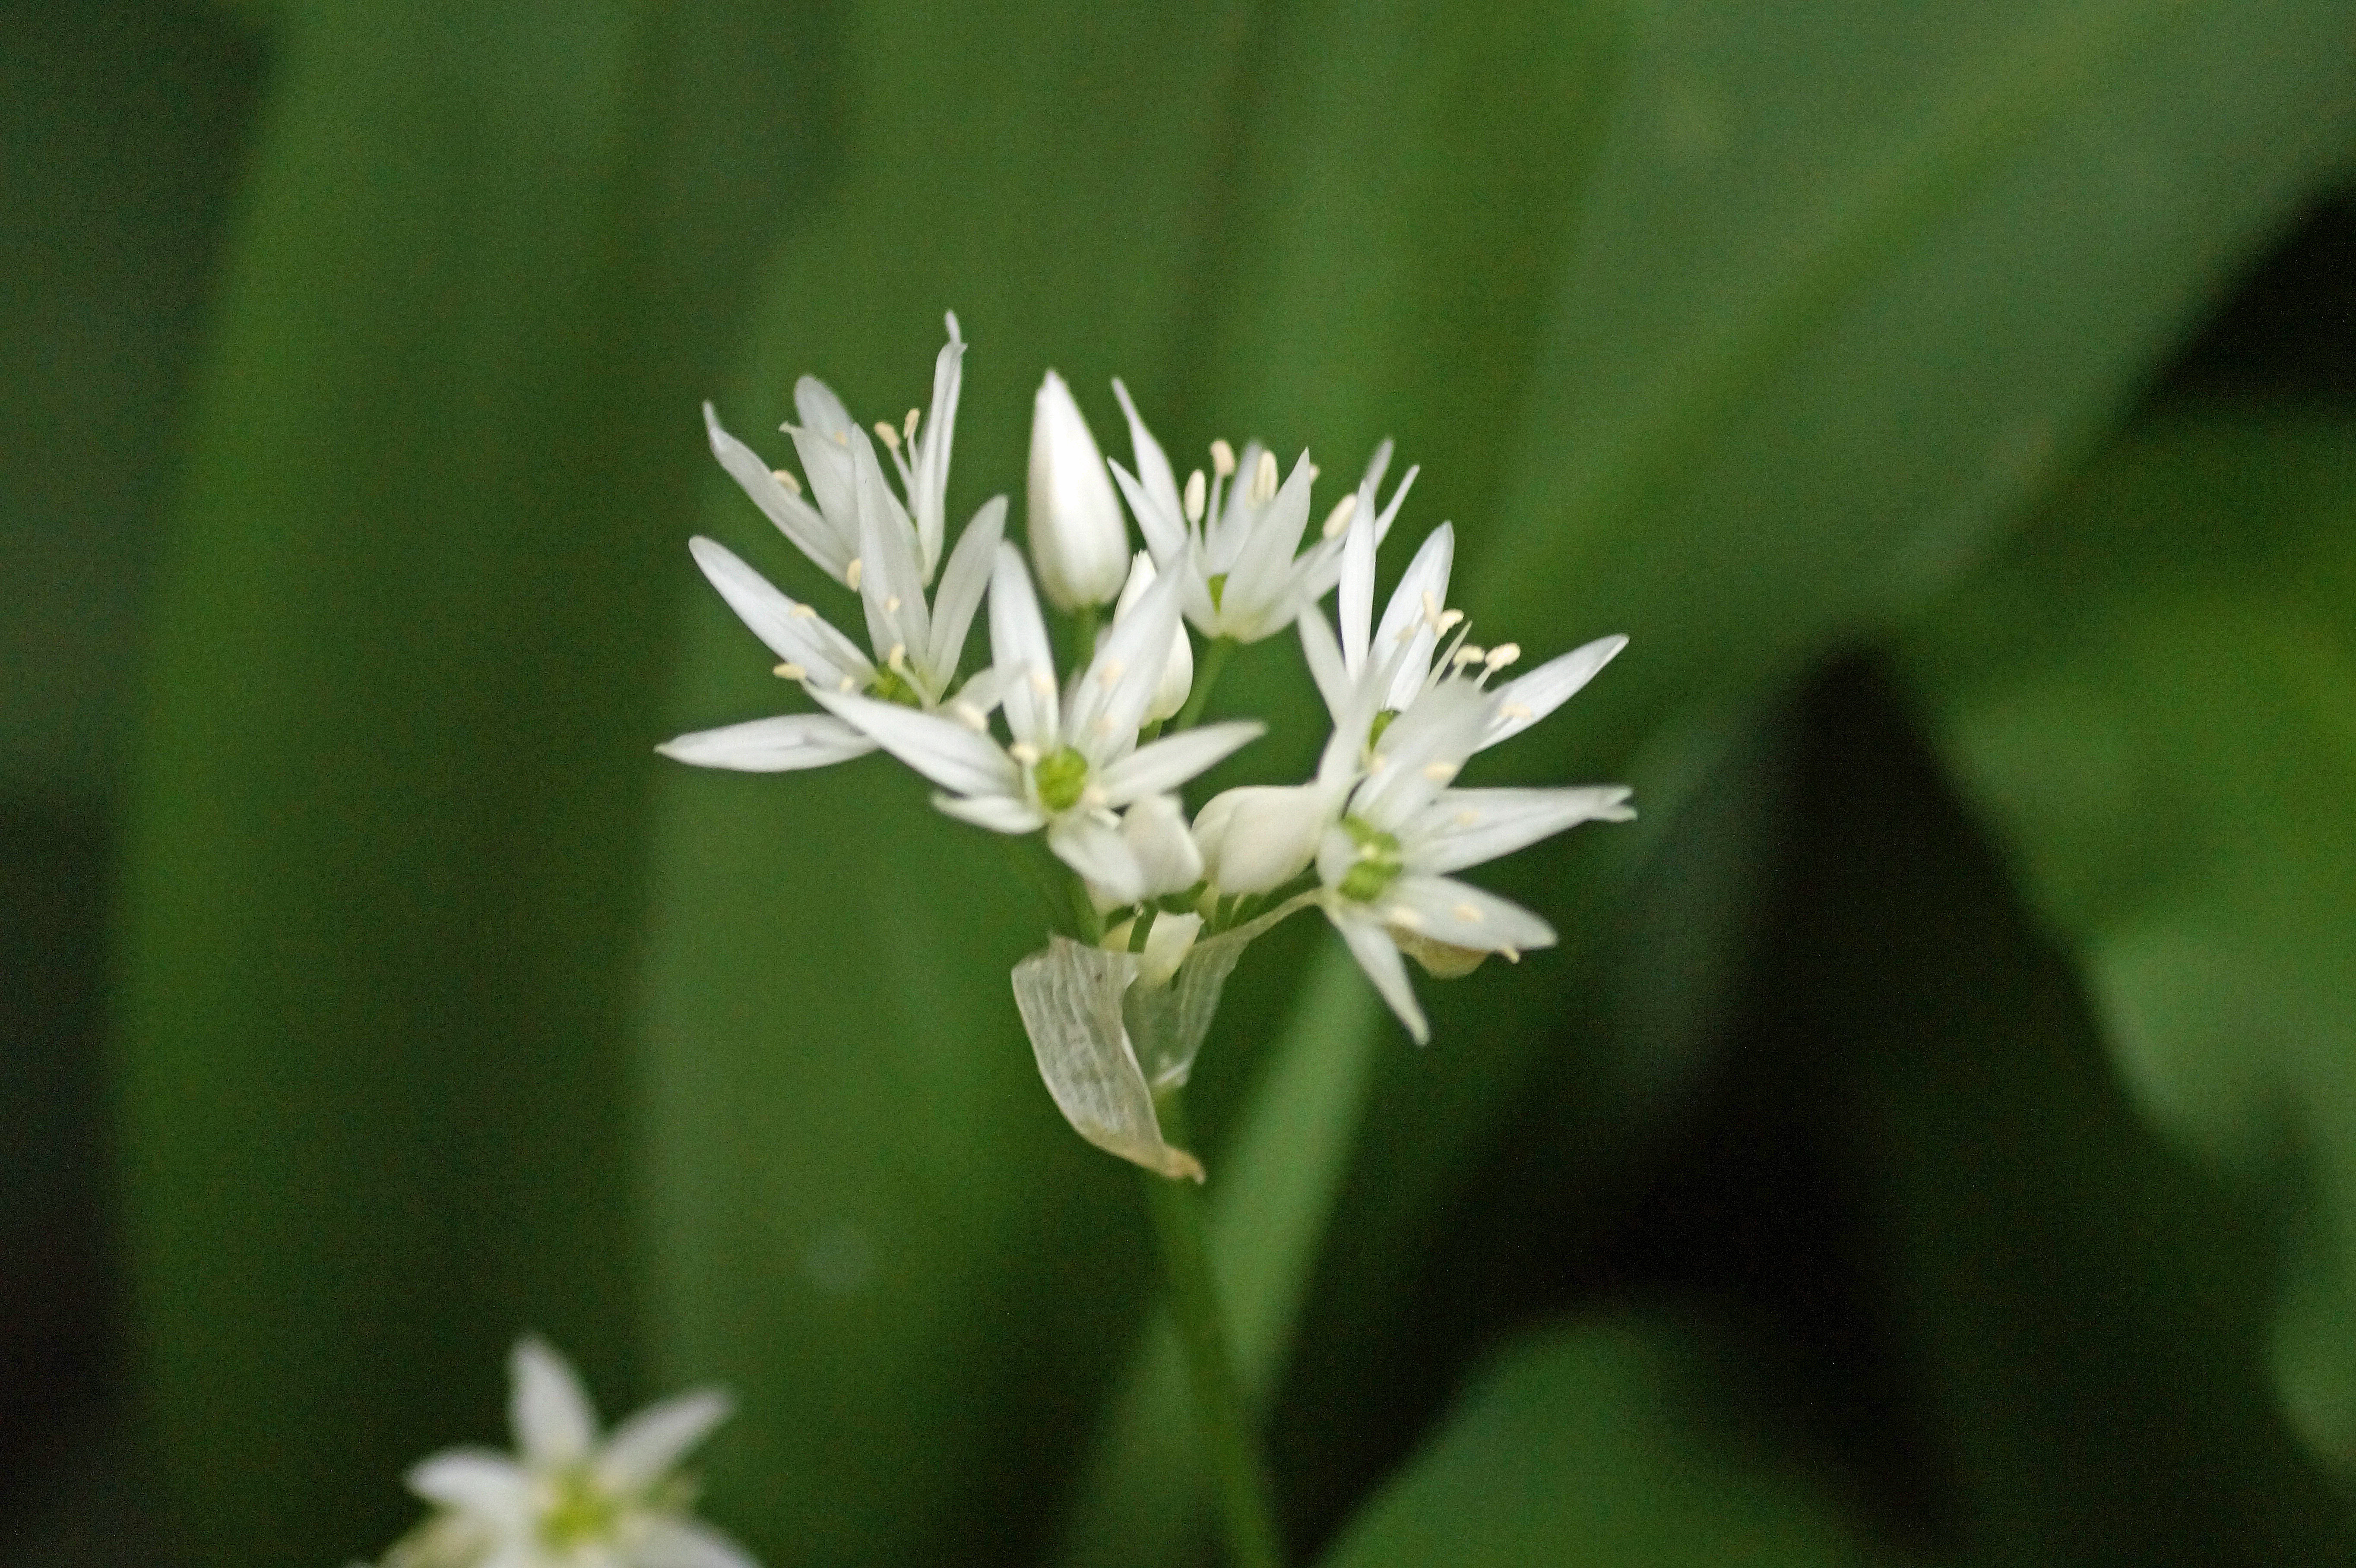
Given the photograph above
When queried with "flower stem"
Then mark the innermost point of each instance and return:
(1206, 676)
(1238, 1471)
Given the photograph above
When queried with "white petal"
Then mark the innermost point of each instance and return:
(1259, 837)
(550, 1411)
(644, 1448)
(1523, 701)
(771, 745)
(1407, 625)
(998, 813)
(796, 518)
(1069, 996)
(822, 441)
(962, 586)
(1101, 855)
(1109, 702)
(892, 581)
(794, 633)
(1154, 493)
(982, 691)
(1467, 826)
(1379, 957)
(944, 751)
(1263, 569)
(1327, 665)
(1458, 913)
(1178, 670)
(1078, 541)
(673, 1543)
(474, 1481)
(1420, 751)
(928, 482)
(1166, 763)
(1167, 859)
(1355, 606)
(1018, 651)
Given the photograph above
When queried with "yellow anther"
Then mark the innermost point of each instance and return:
(897, 659)
(1448, 619)
(1264, 479)
(1111, 674)
(848, 685)
(892, 604)
(1339, 517)
(1194, 495)
(1094, 799)
(1503, 654)
(1468, 653)
(842, 438)
(972, 718)
(1470, 913)
(890, 436)
(786, 478)
(1400, 914)
(803, 612)
(1041, 682)
(1222, 459)
(1516, 710)
(909, 431)
(1468, 819)
(1511, 955)
(851, 574)
(790, 671)
(1024, 752)
(1440, 773)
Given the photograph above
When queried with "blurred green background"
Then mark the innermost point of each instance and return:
(1935, 1140)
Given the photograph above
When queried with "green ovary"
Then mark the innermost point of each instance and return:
(1378, 864)
(891, 686)
(581, 1511)
(1061, 777)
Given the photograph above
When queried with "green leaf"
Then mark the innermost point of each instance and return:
(2149, 700)
(1603, 1444)
(383, 838)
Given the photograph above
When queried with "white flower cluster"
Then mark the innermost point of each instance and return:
(1092, 760)
(565, 1499)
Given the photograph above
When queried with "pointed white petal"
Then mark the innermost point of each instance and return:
(1327, 664)
(1167, 859)
(1523, 701)
(1097, 852)
(1177, 680)
(1445, 910)
(675, 1542)
(475, 1481)
(783, 744)
(1356, 607)
(822, 441)
(1160, 514)
(1465, 827)
(928, 482)
(550, 1411)
(1251, 603)
(981, 693)
(998, 813)
(1018, 651)
(795, 633)
(644, 1448)
(1110, 701)
(944, 751)
(1380, 959)
(1169, 762)
(1406, 619)
(1420, 753)
(962, 586)
(795, 518)
(1078, 541)
(892, 580)
(1069, 996)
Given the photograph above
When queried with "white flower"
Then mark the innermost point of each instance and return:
(1078, 541)
(1256, 838)
(864, 537)
(1385, 865)
(1233, 544)
(1177, 674)
(567, 1499)
(1074, 760)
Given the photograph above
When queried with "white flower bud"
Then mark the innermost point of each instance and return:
(1257, 838)
(1178, 670)
(1166, 946)
(1155, 831)
(1079, 543)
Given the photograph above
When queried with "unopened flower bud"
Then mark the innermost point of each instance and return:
(1167, 859)
(1167, 944)
(1178, 670)
(1257, 838)
(1079, 543)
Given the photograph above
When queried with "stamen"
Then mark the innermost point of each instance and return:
(1468, 819)
(1194, 496)
(1440, 773)
(848, 685)
(1515, 710)
(1111, 674)
(1503, 654)
(1313, 471)
(1041, 682)
(803, 612)
(785, 477)
(913, 415)
(1511, 955)
(1093, 798)
(1264, 480)
(1470, 913)
(1024, 752)
(851, 574)
(1447, 618)
(891, 437)
(1400, 914)
(896, 661)
(1339, 518)
(1465, 654)
(842, 438)
(1222, 459)
(892, 604)
(790, 671)
(972, 718)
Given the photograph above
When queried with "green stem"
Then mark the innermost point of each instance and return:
(1141, 928)
(1084, 629)
(1206, 676)
(1238, 1472)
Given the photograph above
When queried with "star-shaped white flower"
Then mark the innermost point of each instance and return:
(1074, 760)
(566, 1499)
(1233, 544)
(869, 539)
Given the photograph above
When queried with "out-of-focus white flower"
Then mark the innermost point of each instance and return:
(864, 537)
(1178, 674)
(1233, 539)
(1384, 866)
(565, 1498)
(1256, 838)
(1078, 542)
(1074, 761)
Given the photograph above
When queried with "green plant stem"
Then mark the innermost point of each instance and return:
(1238, 1471)
(1206, 676)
